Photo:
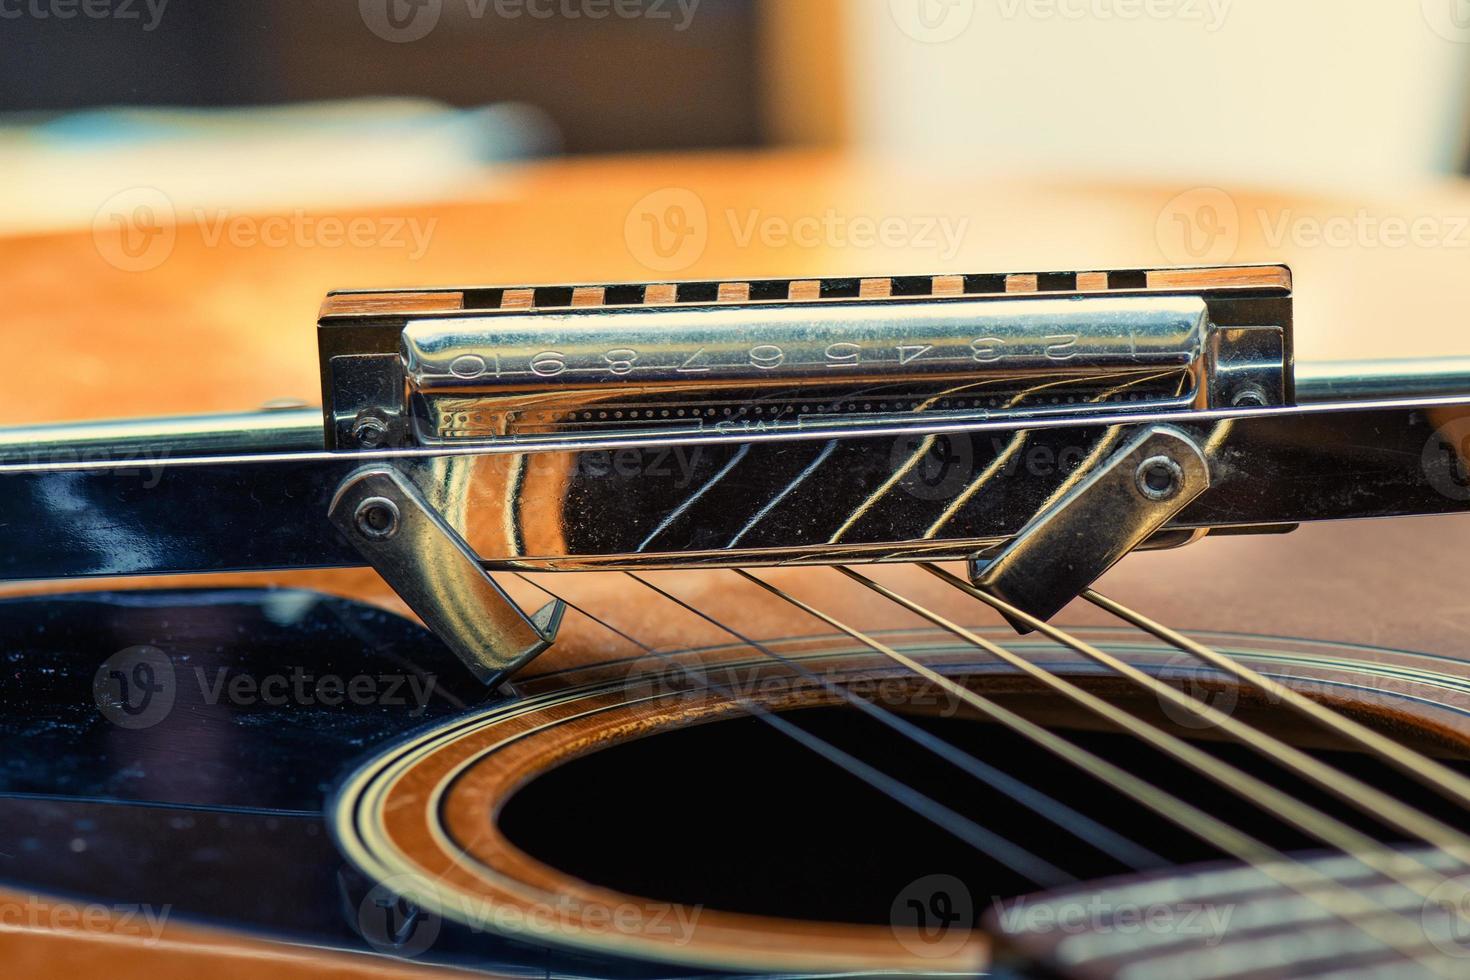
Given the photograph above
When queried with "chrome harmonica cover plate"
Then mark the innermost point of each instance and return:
(810, 367)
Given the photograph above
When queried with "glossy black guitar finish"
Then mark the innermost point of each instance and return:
(170, 754)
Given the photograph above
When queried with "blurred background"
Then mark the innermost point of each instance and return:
(404, 98)
(205, 170)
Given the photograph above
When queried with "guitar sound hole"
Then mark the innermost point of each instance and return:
(735, 816)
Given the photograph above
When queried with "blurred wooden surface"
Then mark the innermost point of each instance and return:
(221, 324)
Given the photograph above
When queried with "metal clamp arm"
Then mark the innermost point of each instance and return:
(438, 575)
(1108, 511)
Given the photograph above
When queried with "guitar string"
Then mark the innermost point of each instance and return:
(1377, 804)
(1417, 765)
(1403, 868)
(1102, 838)
(1015, 857)
(1400, 935)
(1388, 926)
(926, 445)
(1356, 793)
(1383, 924)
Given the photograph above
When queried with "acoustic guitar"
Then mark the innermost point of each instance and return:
(754, 626)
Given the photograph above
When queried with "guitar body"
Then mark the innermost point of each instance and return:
(231, 802)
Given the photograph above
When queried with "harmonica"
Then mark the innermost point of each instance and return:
(807, 357)
(977, 417)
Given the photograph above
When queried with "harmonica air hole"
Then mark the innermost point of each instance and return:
(626, 295)
(698, 292)
(1128, 279)
(769, 289)
(916, 285)
(552, 296)
(483, 299)
(841, 288)
(985, 284)
(1053, 282)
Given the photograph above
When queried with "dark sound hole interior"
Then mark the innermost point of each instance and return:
(736, 816)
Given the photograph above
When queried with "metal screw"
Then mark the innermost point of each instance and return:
(376, 518)
(1250, 396)
(370, 431)
(1159, 478)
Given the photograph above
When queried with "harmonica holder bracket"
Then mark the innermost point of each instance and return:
(437, 574)
(1109, 510)
(811, 428)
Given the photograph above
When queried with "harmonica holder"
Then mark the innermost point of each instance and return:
(779, 392)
